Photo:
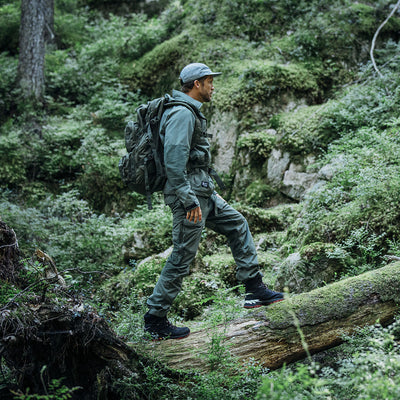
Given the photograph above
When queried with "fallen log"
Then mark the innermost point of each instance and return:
(302, 324)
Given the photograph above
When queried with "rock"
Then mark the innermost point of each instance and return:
(296, 181)
(313, 266)
(223, 129)
(277, 164)
(328, 171)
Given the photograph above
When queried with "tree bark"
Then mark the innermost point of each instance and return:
(32, 49)
(49, 35)
(303, 324)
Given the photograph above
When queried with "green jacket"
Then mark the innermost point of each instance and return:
(186, 153)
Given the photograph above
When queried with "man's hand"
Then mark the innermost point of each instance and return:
(194, 215)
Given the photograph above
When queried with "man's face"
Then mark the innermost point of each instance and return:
(206, 89)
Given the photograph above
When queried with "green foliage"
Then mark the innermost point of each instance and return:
(158, 70)
(8, 73)
(12, 160)
(7, 292)
(363, 195)
(197, 290)
(99, 47)
(259, 81)
(113, 106)
(301, 132)
(259, 193)
(99, 177)
(55, 391)
(77, 239)
(259, 144)
(70, 24)
(368, 369)
(9, 27)
(252, 20)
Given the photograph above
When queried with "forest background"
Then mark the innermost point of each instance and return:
(298, 79)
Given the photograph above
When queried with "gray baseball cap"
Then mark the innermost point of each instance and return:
(196, 71)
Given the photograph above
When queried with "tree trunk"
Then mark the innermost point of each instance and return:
(32, 49)
(308, 322)
(49, 35)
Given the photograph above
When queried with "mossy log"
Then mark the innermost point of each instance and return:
(285, 331)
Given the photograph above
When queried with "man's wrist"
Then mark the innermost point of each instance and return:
(191, 207)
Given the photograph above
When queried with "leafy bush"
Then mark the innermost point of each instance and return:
(259, 81)
(12, 172)
(301, 132)
(8, 92)
(259, 144)
(368, 369)
(9, 27)
(67, 229)
(70, 25)
(113, 106)
(92, 66)
(363, 193)
(158, 70)
(259, 193)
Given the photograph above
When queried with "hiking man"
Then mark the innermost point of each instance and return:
(190, 193)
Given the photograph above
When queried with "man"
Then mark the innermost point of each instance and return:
(190, 193)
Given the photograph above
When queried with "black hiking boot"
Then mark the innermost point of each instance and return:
(257, 294)
(160, 328)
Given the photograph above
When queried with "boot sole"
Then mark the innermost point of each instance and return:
(262, 304)
(166, 338)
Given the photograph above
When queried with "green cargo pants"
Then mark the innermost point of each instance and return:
(219, 216)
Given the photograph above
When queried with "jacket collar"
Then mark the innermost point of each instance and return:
(178, 95)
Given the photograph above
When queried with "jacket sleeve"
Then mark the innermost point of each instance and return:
(179, 127)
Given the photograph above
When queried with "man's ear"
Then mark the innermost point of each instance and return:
(196, 83)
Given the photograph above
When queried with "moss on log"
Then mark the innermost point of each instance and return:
(272, 336)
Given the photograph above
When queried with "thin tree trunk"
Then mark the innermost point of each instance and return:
(303, 324)
(49, 35)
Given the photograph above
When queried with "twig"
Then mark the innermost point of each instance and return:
(86, 272)
(9, 245)
(376, 35)
(22, 292)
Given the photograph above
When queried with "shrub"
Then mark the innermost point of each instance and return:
(362, 197)
(301, 132)
(259, 193)
(259, 81)
(368, 368)
(9, 27)
(12, 160)
(8, 92)
(75, 237)
(259, 144)
(158, 70)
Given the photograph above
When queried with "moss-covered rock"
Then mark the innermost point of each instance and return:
(300, 132)
(258, 193)
(267, 220)
(197, 291)
(158, 70)
(263, 82)
(313, 266)
(223, 266)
